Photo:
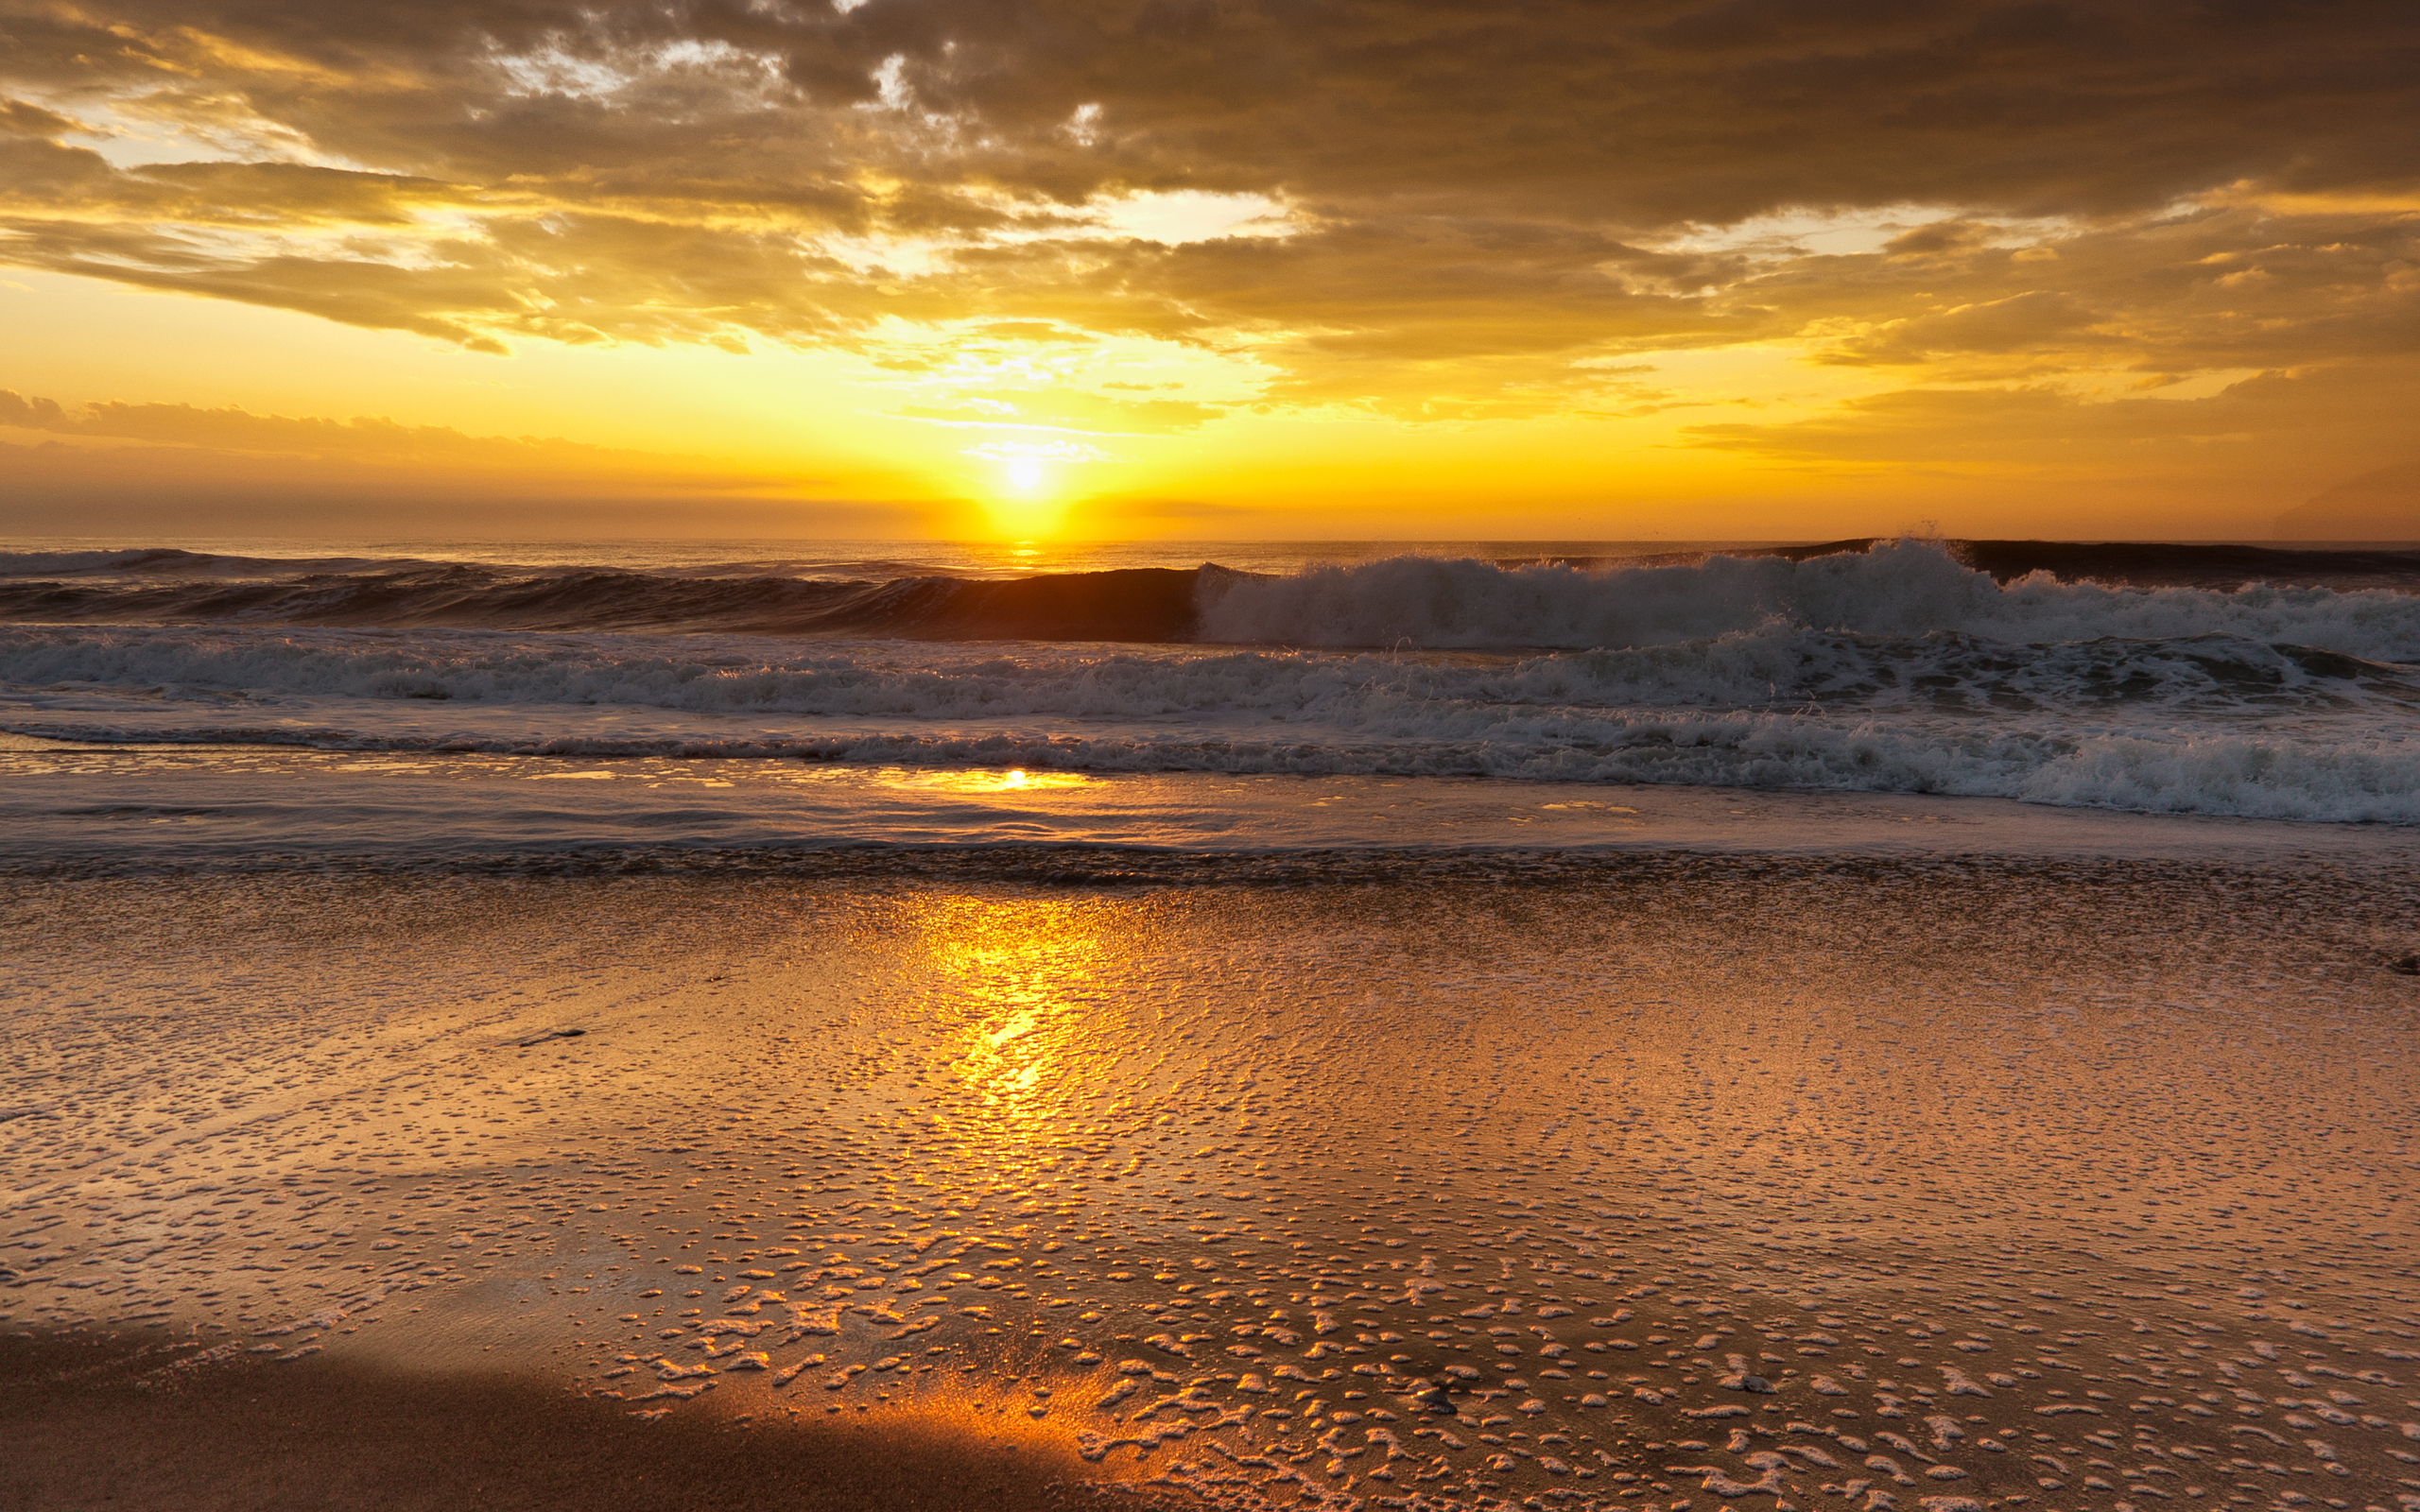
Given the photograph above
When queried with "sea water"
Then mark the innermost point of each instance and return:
(2275, 689)
(1549, 1027)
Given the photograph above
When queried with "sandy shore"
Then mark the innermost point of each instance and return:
(1685, 1181)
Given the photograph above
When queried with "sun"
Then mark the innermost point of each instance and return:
(1024, 504)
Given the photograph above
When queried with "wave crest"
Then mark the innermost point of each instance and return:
(1893, 589)
(1414, 602)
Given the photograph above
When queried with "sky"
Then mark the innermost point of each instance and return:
(1613, 269)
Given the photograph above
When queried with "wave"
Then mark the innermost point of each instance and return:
(1893, 589)
(1775, 665)
(171, 561)
(1136, 603)
(2343, 776)
(1898, 667)
(2204, 724)
(2361, 603)
(2221, 565)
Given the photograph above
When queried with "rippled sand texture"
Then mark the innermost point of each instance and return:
(1785, 1185)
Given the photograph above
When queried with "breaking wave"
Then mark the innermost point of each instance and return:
(1898, 667)
(2361, 603)
(1772, 667)
(1898, 588)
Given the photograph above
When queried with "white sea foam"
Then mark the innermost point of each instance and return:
(1900, 589)
(1896, 671)
(1234, 713)
(1773, 666)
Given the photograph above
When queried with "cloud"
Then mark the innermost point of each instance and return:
(1067, 409)
(2020, 322)
(366, 441)
(153, 468)
(1482, 205)
(2262, 432)
(2380, 505)
(17, 118)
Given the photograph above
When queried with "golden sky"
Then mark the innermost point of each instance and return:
(1203, 268)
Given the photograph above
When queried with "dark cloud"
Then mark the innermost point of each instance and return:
(17, 118)
(1640, 114)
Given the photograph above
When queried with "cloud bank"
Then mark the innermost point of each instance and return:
(1406, 208)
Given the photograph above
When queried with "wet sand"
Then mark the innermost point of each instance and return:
(1673, 1181)
(109, 1423)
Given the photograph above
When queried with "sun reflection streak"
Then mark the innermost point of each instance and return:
(1015, 780)
(1033, 1050)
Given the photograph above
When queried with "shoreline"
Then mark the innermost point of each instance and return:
(260, 808)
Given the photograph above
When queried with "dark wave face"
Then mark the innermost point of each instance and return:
(157, 588)
(2224, 568)
(2117, 564)
(1415, 602)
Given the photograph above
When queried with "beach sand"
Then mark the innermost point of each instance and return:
(1660, 1180)
(93, 1423)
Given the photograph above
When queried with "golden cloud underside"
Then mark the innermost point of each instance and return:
(1486, 208)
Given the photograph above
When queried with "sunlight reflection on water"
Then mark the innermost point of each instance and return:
(1015, 780)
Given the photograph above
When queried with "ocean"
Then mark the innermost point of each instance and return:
(2242, 681)
(1892, 1027)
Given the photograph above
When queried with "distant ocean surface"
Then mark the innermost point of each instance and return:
(2203, 679)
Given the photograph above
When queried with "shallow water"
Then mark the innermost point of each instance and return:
(2079, 1181)
(133, 807)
